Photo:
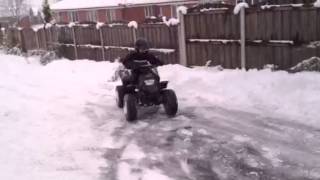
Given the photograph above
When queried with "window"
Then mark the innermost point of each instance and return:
(173, 11)
(57, 17)
(111, 15)
(161, 11)
(73, 16)
(92, 16)
(148, 11)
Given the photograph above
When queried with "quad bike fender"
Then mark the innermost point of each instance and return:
(163, 84)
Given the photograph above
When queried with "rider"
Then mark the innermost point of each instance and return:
(140, 55)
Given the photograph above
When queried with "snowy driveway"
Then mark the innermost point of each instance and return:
(60, 122)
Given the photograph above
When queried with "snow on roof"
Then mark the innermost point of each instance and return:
(80, 4)
(317, 3)
(85, 4)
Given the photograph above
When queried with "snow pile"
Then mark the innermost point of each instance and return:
(99, 25)
(267, 6)
(213, 9)
(182, 9)
(317, 3)
(115, 24)
(276, 94)
(51, 126)
(14, 51)
(239, 6)
(48, 25)
(312, 64)
(48, 57)
(71, 24)
(37, 27)
(171, 21)
(57, 121)
(133, 24)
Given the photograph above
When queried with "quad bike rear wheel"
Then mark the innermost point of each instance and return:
(170, 102)
(119, 96)
(130, 107)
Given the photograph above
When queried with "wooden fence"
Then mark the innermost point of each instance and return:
(104, 43)
(279, 35)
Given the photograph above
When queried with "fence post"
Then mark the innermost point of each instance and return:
(102, 44)
(243, 38)
(22, 41)
(182, 40)
(74, 42)
(37, 40)
(134, 32)
(50, 39)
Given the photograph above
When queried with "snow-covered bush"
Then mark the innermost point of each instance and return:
(272, 67)
(312, 64)
(36, 52)
(14, 51)
(48, 57)
(99, 25)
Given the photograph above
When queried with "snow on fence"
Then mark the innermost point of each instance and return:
(107, 42)
(278, 35)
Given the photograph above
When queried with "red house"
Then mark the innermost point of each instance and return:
(110, 11)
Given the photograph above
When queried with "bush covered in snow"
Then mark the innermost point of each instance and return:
(271, 67)
(14, 51)
(37, 52)
(312, 64)
(48, 57)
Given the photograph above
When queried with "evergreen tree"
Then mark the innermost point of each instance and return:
(47, 15)
(31, 13)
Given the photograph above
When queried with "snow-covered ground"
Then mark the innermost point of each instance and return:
(60, 122)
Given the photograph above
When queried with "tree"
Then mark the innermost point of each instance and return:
(31, 13)
(47, 14)
(13, 8)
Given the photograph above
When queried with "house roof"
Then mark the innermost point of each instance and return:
(85, 4)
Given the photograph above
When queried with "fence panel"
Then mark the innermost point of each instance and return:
(219, 24)
(29, 39)
(87, 35)
(160, 35)
(118, 36)
(279, 35)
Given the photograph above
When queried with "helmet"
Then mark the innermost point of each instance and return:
(141, 45)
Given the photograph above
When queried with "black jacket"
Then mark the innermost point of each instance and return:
(128, 61)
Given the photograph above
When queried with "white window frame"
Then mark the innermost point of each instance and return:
(73, 16)
(92, 16)
(161, 11)
(111, 15)
(173, 11)
(57, 16)
(149, 11)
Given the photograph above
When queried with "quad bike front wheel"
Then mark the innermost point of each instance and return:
(170, 102)
(130, 107)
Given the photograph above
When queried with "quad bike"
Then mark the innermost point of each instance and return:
(144, 91)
